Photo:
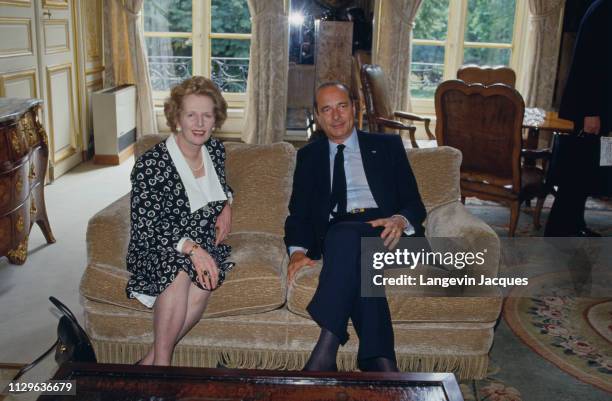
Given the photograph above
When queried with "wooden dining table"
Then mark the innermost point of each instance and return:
(537, 119)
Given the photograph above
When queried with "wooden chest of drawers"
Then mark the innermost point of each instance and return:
(24, 153)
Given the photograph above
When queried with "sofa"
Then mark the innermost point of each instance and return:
(258, 320)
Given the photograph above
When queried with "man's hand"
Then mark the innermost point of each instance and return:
(298, 260)
(223, 225)
(592, 125)
(394, 227)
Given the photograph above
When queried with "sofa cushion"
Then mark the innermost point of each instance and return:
(262, 177)
(255, 285)
(437, 174)
(408, 304)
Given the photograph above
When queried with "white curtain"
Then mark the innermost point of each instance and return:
(268, 73)
(394, 50)
(545, 23)
(126, 58)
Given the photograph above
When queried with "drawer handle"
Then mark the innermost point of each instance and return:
(32, 174)
(19, 184)
(19, 224)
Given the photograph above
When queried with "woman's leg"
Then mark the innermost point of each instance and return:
(196, 305)
(197, 300)
(168, 318)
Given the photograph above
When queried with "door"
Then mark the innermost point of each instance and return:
(57, 66)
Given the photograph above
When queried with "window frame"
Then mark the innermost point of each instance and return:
(201, 39)
(455, 44)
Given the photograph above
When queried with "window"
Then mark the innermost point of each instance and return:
(450, 33)
(198, 37)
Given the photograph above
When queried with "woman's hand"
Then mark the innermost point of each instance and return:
(223, 225)
(206, 268)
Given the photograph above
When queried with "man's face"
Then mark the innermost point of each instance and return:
(335, 113)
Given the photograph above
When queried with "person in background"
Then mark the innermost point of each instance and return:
(180, 214)
(587, 101)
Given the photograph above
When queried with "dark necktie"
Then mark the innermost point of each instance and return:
(338, 193)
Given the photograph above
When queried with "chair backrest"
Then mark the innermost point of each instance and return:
(360, 58)
(376, 95)
(484, 123)
(475, 74)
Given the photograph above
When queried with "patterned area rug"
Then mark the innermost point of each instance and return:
(598, 216)
(573, 333)
(490, 388)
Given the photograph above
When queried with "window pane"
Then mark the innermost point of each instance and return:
(230, 16)
(230, 64)
(169, 61)
(432, 20)
(490, 21)
(426, 70)
(474, 55)
(167, 15)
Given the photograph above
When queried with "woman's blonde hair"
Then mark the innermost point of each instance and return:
(195, 85)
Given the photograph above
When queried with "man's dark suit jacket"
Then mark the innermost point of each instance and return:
(389, 176)
(588, 91)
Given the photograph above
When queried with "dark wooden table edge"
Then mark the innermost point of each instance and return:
(71, 371)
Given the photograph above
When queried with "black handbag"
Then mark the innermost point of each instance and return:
(72, 342)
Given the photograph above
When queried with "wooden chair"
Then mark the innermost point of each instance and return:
(475, 74)
(360, 58)
(380, 116)
(484, 123)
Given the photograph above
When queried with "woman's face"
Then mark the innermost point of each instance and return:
(196, 119)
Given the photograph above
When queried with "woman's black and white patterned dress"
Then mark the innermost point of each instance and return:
(161, 217)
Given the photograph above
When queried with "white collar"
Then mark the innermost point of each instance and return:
(351, 143)
(197, 198)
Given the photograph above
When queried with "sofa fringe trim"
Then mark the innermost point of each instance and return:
(466, 367)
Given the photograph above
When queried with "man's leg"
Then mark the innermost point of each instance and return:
(338, 298)
(566, 216)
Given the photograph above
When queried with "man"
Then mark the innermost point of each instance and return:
(349, 185)
(587, 101)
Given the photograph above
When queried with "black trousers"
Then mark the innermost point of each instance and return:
(566, 216)
(338, 299)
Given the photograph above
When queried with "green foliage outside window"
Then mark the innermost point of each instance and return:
(487, 21)
(230, 16)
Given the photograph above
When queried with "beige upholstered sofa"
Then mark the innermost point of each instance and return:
(254, 320)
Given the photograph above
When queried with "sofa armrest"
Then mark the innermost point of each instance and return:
(453, 220)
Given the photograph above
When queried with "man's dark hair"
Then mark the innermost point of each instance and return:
(332, 83)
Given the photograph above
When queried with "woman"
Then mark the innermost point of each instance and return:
(180, 214)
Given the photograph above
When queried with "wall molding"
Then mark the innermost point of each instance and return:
(17, 75)
(16, 21)
(63, 154)
(65, 47)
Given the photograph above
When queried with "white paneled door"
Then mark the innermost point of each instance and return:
(57, 44)
(37, 50)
